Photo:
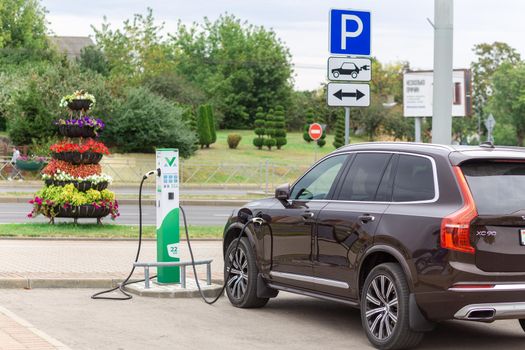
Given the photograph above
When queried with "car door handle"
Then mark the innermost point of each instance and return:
(366, 218)
(307, 215)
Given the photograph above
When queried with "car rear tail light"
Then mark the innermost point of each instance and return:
(455, 228)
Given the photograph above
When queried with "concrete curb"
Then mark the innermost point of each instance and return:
(174, 291)
(98, 239)
(99, 283)
(183, 202)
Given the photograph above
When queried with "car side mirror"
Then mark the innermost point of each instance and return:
(283, 192)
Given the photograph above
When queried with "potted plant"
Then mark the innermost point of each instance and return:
(80, 100)
(82, 183)
(68, 201)
(88, 152)
(85, 126)
(30, 163)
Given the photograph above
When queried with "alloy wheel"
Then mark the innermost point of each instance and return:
(238, 280)
(381, 307)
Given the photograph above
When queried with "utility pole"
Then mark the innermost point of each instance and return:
(443, 53)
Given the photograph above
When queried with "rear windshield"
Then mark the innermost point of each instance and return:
(498, 188)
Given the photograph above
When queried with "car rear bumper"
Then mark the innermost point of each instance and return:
(489, 312)
(488, 305)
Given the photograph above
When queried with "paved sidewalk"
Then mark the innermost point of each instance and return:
(39, 263)
(16, 333)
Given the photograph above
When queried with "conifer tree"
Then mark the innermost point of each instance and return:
(203, 127)
(309, 120)
(269, 130)
(339, 139)
(211, 123)
(258, 141)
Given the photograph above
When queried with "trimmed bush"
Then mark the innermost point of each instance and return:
(279, 125)
(259, 128)
(270, 143)
(309, 120)
(258, 142)
(233, 140)
(339, 139)
(211, 123)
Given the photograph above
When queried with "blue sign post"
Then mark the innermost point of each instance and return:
(350, 32)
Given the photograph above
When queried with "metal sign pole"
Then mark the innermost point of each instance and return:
(417, 129)
(347, 125)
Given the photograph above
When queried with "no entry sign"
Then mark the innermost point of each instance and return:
(315, 131)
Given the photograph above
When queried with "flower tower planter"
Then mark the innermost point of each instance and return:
(75, 186)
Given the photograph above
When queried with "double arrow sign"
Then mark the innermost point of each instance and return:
(348, 95)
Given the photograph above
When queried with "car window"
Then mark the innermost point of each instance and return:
(496, 186)
(362, 180)
(316, 184)
(414, 179)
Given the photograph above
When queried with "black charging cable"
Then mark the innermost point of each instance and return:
(229, 269)
(121, 285)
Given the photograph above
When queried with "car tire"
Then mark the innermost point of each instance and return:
(522, 323)
(354, 75)
(241, 286)
(336, 74)
(385, 309)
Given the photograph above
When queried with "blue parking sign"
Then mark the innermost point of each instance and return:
(350, 32)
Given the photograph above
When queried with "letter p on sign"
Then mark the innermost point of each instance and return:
(350, 32)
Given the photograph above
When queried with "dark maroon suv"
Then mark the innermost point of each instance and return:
(411, 234)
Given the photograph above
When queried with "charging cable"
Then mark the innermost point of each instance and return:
(257, 220)
(121, 286)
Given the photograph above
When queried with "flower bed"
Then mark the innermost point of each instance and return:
(77, 158)
(88, 146)
(79, 185)
(82, 127)
(79, 100)
(76, 171)
(68, 201)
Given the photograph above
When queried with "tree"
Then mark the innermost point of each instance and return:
(259, 128)
(137, 50)
(203, 127)
(211, 123)
(488, 58)
(371, 118)
(309, 120)
(507, 102)
(23, 25)
(339, 139)
(91, 57)
(239, 66)
(279, 125)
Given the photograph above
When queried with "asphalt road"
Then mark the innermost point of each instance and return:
(287, 322)
(197, 215)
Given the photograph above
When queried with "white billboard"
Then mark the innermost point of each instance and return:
(417, 93)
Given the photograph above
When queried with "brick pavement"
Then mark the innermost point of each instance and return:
(18, 334)
(74, 259)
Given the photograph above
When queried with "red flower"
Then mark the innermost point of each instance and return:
(88, 146)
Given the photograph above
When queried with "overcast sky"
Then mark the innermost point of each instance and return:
(400, 30)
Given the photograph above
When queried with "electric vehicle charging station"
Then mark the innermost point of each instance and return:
(167, 203)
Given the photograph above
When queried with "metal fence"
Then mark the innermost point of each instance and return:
(265, 175)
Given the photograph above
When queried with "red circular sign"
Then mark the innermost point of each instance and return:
(315, 131)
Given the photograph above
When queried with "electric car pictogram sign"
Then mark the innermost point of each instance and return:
(349, 69)
(315, 131)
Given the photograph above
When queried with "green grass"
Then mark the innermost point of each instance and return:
(69, 230)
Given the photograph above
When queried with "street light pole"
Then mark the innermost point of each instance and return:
(443, 53)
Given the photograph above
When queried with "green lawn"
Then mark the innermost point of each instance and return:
(69, 230)
(295, 151)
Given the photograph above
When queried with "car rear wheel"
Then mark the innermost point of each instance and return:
(241, 283)
(522, 323)
(336, 74)
(384, 309)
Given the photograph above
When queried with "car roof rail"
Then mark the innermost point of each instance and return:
(487, 144)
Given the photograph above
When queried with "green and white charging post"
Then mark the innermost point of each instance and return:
(167, 202)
